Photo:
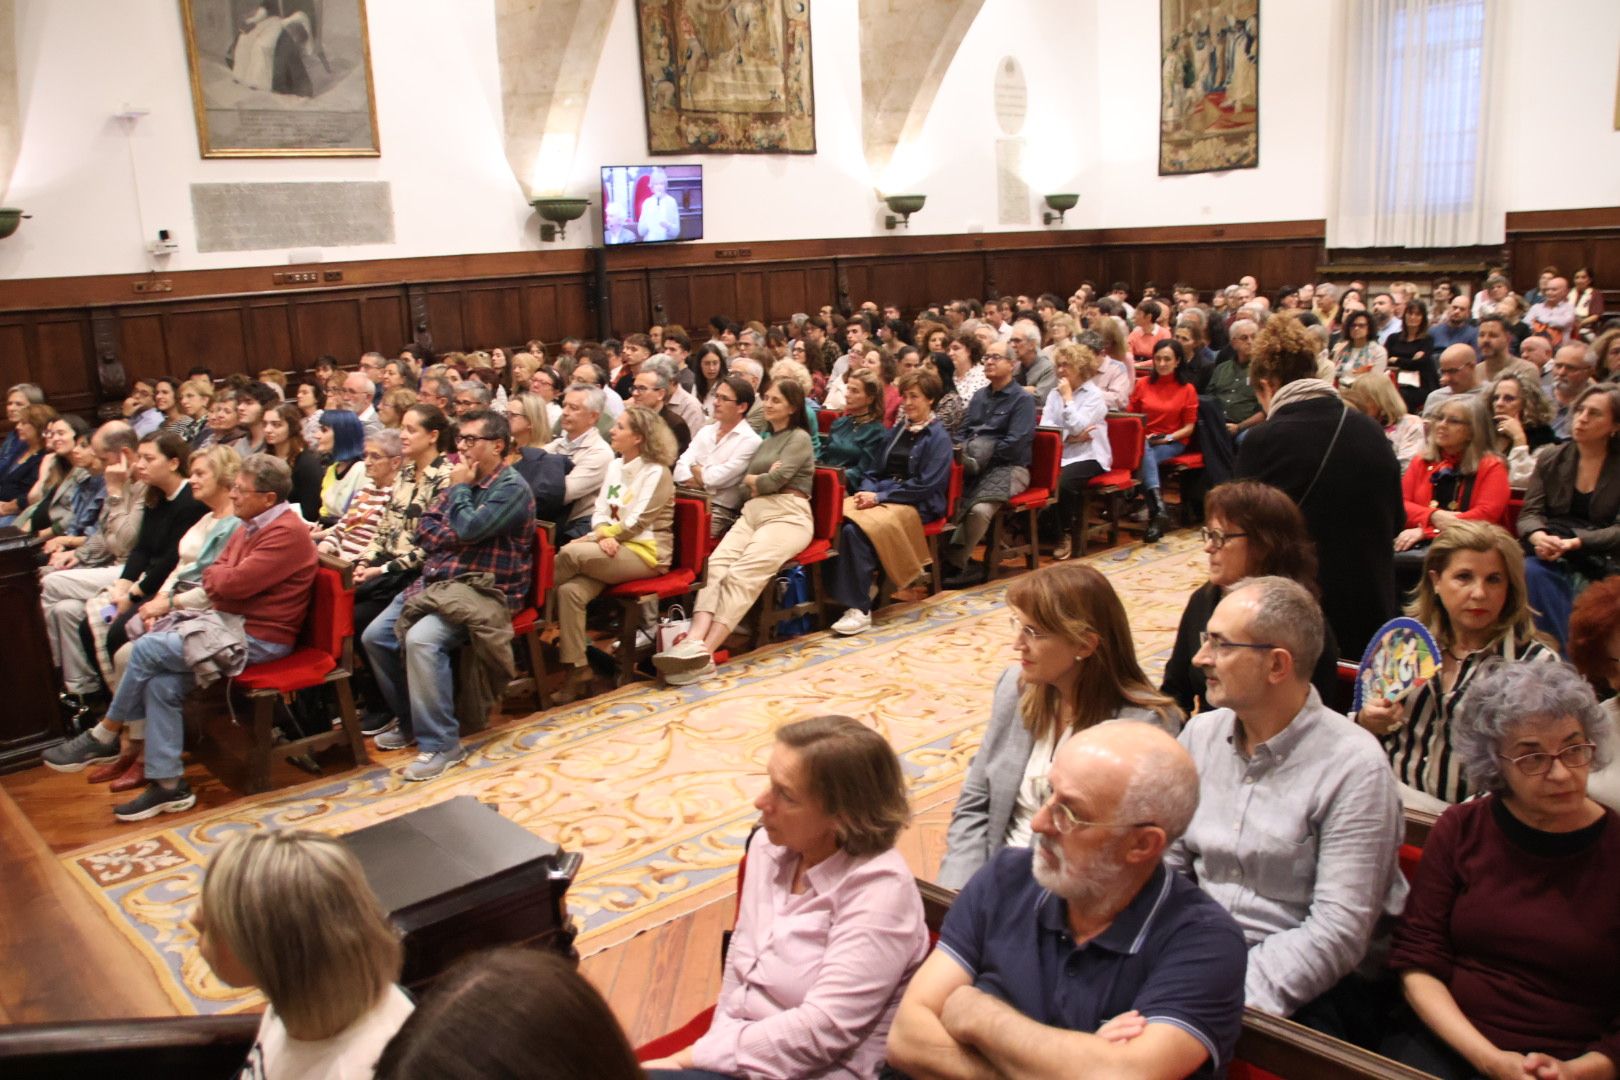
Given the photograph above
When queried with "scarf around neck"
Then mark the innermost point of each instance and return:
(1300, 390)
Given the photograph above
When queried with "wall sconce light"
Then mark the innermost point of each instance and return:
(9, 218)
(903, 205)
(1060, 203)
(558, 212)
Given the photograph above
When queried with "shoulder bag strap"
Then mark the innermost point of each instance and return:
(1344, 411)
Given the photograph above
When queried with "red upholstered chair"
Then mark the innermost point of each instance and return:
(1186, 471)
(1510, 516)
(1127, 438)
(827, 517)
(324, 654)
(825, 418)
(683, 578)
(1045, 462)
(526, 623)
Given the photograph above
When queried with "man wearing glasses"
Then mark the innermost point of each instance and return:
(1299, 819)
(650, 389)
(1084, 954)
(1459, 377)
(480, 532)
(719, 454)
(1572, 373)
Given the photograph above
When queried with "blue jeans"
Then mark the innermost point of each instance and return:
(1551, 594)
(415, 677)
(1149, 473)
(155, 685)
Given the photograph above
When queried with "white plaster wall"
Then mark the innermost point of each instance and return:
(1091, 68)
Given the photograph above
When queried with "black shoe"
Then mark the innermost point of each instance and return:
(373, 724)
(966, 578)
(155, 800)
(81, 750)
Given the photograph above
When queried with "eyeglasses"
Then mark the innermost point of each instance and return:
(1578, 756)
(468, 440)
(726, 397)
(1216, 643)
(372, 455)
(1027, 632)
(1065, 821)
(1217, 539)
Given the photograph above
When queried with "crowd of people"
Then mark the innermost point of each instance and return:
(1228, 837)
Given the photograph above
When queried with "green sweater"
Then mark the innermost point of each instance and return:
(857, 447)
(792, 449)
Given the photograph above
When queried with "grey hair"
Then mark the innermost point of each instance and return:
(29, 390)
(387, 442)
(438, 386)
(799, 318)
(1028, 331)
(268, 475)
(357, 378)
(748, 368)
(478, 390)
(1286, 613)
(1163, 788)
(595, 399)
(663, 368)
(1505, 696)
(1250, 323)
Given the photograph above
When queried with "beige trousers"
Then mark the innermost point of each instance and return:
(584, 572)
(771, 530)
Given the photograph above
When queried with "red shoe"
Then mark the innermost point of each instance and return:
(113, 769)
(134, 777)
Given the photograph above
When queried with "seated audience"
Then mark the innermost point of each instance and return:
(197, 402)
(140, 409)
(1076, 668)
(1250, 530)
(1407, 433)
(1459, 377)
(1455, 328)
(66, 498)
(18, 398)
(483, 525)
(252, 401)
(290, 913)
(392, 405)
(1077, 409)
(681, 401)
(792, 369)
(177, 417)
(283, 439)
(1505, 952)
(1229, 408)
(1552, 315)
(1198, 358)
(1169, 402)
(580, 441)
(1412, 355)
(1035, 370)
(1144, 340)
(529, 420)
(30, 427)
(650, 389)
(1299, 821)
(856, 440)
(952, 406)
(264, 577)
(829, 923)
(884, 514)
(510, 1014)
(1457, 477)
(1571, 515)
(1573, 369)
(1154, 986)
(996, 447)
(1358, 352)
(776, 524)
(1495, 352)
(352, 535)
(1519, 417)
(966, 351)
(1472, 598)
(710, 373)
(221, 428)
(718, 456)
(1116, 377)
(1338, 467)
(1594, 649)
(342, 445)
(631, 531)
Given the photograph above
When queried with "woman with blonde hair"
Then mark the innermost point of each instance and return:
(391, 409)
(1473, 599)
(1116, 373)
(1457, 477)
(196, 398)
(1077, 667)
(632, 534)
(290, 913)
(530, 421)
(1379, 400)
(1077, 409)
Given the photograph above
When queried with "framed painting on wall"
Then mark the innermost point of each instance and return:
(1209, 85)
(281, 78)
(727, 76)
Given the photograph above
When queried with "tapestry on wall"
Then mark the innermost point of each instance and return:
(281, 78)
(1209, 85)
(727, 76)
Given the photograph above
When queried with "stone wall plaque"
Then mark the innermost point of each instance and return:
(1012, 193)
(1011, 96)
(261, 217)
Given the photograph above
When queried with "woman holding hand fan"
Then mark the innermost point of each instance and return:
(1472, 600)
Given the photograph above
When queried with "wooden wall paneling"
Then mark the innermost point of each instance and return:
(750, 295)
(385, 324)
(107, 370)
(713, 292)
(537, 307)
(631, 308)
(944, 278)
(141, 344)
(492, 314)
(269, 336)
(65, 360)
(416, 297)
(443, 304)
(1598, 252)
(201, 332)
(673, 288)
(16, 352)
(787, 290)
(326, 325)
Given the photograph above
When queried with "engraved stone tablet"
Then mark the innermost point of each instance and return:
(1012, 96)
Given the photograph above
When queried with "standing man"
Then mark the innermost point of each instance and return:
(582, 444)
(997, 439)
(483, 524)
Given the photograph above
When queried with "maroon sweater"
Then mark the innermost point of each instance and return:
(1522, 926)
(268, 576)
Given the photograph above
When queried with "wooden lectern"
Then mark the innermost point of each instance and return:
(30, 720)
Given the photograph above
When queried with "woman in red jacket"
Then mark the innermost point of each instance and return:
(1169, 402)
(1457, 477)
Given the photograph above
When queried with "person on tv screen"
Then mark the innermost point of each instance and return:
(660, 218)
(615, 229)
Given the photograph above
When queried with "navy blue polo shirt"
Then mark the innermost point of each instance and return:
(1173, 954)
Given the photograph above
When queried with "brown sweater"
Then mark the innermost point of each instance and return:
(268, 576)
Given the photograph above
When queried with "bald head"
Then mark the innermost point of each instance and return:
(1457, 368)
(1129, 772)
(1536, 350)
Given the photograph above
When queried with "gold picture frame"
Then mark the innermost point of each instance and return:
(281, 78)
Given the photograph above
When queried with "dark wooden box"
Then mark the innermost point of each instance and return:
(458, 877)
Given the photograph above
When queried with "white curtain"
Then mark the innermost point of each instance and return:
(1418, 125)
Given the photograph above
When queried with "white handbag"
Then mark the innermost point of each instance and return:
(672, 626)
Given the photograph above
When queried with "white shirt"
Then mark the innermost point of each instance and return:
(351, 1054)
(724, 460)
(660, 218)
(1086, 410)
(1033, 784)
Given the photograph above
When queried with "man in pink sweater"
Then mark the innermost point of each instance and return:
(265, 575)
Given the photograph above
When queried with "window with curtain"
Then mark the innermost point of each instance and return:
(1414, 165)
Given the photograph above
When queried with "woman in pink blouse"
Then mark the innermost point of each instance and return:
(830, 926)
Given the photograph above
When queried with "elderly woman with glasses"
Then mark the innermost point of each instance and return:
(1510, 940)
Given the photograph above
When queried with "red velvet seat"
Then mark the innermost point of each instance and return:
(1045, 463)
(827, 517)
(825, 418)
(527, 622)
(683, 578)
(1127, 439)
(324, 654)
(1186, 472)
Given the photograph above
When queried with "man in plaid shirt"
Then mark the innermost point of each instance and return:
(483, 523)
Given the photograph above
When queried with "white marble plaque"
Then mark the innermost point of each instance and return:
(1011, 96)
(1012, 193)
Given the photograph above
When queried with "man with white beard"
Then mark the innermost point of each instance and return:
(1084, 955)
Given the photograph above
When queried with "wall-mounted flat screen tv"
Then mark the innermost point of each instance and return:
(651, 204)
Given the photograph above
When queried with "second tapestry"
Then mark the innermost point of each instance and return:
(1209, 91)
(727, 76)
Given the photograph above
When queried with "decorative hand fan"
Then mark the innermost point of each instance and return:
(1401, 657)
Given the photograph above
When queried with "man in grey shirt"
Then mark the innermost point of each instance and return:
(1299, 820)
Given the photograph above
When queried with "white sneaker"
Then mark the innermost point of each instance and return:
(853, 621)
(705, 670)
(685, 656)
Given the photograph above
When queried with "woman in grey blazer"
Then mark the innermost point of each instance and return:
(1076, 667)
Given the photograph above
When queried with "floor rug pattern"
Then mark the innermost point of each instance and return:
(654, 786)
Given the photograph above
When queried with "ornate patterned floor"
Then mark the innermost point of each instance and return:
(654, 786)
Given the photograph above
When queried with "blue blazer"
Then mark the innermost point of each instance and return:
(928, 472)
